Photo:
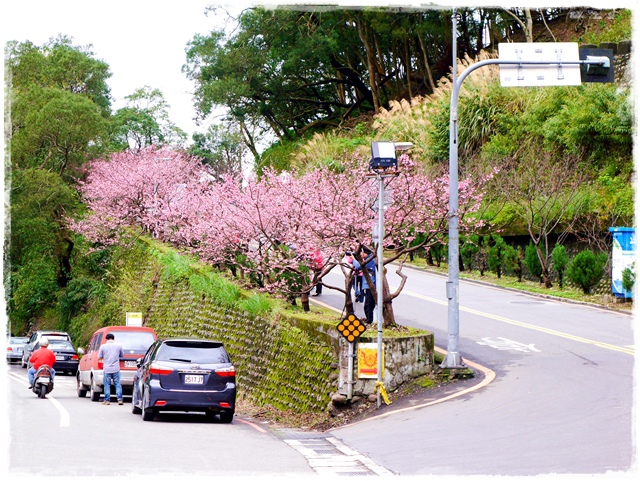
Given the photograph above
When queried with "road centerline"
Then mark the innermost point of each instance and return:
(525, 325)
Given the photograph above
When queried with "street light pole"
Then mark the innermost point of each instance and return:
(379, 281)
(453, 359)
(383, 164)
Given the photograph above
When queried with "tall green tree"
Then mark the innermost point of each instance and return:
(55, 130)
(59, 105)
(221, 148)
(38, 250)
(59, 64)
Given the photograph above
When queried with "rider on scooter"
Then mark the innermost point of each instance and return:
(42, 356)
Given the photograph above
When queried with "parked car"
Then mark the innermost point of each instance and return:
(185, 375)
(33, 343)
(135, 340)
(15, 345)
(66, 356)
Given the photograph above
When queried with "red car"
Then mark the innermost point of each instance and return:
(135, 340)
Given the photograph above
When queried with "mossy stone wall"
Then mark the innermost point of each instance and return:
(291, 364)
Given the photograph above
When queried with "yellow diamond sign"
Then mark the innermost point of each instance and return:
(351, 327)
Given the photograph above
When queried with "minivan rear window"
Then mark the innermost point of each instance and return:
(200, 352)
(134, 340)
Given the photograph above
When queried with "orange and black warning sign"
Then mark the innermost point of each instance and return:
(351, 327)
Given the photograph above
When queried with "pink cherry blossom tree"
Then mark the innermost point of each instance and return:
(283, 231)
(138, 191)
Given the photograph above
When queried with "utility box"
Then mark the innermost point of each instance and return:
(623, 256)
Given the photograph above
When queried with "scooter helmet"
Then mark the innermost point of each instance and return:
(44, 342)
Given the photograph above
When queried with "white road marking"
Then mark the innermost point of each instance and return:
(329, 456)
(504, 344)
(65, 418)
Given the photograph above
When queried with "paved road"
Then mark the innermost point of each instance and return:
(562, 400)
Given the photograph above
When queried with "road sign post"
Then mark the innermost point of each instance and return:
(543, 70)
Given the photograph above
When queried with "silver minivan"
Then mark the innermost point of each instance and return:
(34, 342)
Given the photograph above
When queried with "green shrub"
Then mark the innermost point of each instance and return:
(560, 261)
(586, 270)
(514, 261)
(498, 254)
(532, 261)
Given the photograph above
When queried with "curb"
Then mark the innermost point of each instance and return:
(489, 376)
(524, 292)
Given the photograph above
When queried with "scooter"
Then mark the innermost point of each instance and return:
(42, 381)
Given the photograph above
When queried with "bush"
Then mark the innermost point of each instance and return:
(499, 255)
(532, 261)
(586, 270)
(514, 261)
(560, 261)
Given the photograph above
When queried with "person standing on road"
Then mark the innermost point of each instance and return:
(369, 302)
(42, 356)
(110, 353)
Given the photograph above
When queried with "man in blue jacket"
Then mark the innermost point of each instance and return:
(369, 302)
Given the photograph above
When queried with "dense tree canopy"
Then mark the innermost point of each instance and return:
(295, 70)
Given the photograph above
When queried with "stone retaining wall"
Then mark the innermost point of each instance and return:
(290, 364)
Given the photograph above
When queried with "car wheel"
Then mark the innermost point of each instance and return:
(135, 409)
(23, 363)
(80, 389)
(226, 417)
(147, 412)
(95, 394)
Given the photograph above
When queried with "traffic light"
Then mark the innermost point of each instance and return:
(596, 72)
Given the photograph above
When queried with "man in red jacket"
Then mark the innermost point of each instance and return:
(44, 355)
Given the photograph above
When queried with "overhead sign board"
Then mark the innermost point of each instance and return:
(541, 75)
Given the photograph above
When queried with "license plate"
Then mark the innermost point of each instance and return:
(193, 379)
(130, 364)
(59, 358)
(43, 380)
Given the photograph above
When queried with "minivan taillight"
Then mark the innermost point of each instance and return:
(226, 371)
(160, 370)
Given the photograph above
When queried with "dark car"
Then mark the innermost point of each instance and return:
(15, 345)
(66, 356)
(189, 375)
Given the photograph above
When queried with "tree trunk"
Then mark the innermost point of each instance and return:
(426, 65)
(388, 317)
(546, 278)
(348, 300)
(304, 300)
(373, 85)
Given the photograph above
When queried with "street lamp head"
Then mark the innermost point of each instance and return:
(383, 156)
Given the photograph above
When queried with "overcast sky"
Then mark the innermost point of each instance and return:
(143, 41)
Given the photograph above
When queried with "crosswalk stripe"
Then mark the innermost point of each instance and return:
(329, 456)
